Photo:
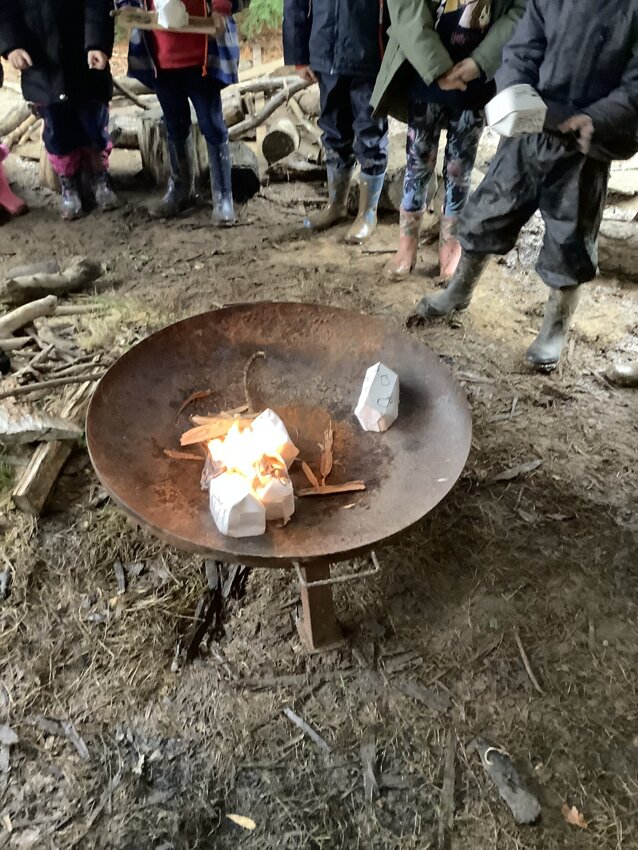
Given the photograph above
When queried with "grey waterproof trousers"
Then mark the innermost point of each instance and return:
(540, 172)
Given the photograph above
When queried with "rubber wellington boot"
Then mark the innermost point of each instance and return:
(544, 353)
(221, 185)
(105, 197)
(70, 199)
(364, 225)
(337, 209)
(180, 192)
(404, 261)
(449, 246)
(459, 291)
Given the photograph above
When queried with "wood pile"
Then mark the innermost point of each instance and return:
(38, 354)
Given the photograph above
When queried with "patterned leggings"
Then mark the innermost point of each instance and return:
(464, 128)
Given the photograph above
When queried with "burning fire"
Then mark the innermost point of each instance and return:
(249, 483)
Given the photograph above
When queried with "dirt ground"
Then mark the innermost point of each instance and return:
(166, 751)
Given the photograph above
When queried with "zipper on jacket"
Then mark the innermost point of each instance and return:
(334, 35)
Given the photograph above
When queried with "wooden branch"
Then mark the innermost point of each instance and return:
(80, 273)
(331, 489)
(13, 343)
(309, 127)
(129, 95)
(38, 479)
(15, 117)
(25, 315)
(142, 20)
(14, 137)
(272, 106)
(54, 382)
(265, 85)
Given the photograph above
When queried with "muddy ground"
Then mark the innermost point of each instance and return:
(170, 750)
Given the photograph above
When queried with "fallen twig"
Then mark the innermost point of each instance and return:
(333, 489)
(196, 396)
(312, 478)
(129, 95)
(54, 382)
(174, 454)
(368, 754)
(238, 130)
(308, 730)
(446, 809)
(325, 467)
(528, 668)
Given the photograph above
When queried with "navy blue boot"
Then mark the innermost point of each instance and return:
(221, 185)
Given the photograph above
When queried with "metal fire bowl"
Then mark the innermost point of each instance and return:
(315, 362)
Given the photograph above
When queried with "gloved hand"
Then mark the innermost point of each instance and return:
(223, 7)
(583, 127)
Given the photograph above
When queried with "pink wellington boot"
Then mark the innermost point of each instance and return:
(8, 200)
(403, 262)
(449, 246)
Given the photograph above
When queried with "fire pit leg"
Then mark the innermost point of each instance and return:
(317, 626)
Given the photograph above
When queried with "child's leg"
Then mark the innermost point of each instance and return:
(463, 137)
(426, 121)
(371, 151)
(337, 123)
(63, 139)
(94, 118)
(172, 92)
(205, 94)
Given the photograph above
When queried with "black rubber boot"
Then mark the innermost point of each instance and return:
(70, 200)
(221, 185)
(180, 192)
(459, 291)
(544, 353)
(337, 209)
(105, 197)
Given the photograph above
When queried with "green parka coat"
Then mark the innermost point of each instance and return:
(414, 41)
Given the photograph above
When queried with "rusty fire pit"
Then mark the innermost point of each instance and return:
(315, 361)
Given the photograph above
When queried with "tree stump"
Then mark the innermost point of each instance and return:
(618, 248)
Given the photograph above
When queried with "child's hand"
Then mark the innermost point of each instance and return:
(583, 127)
(306, 73)
(20, 59)
(98, 60)
(459, 76)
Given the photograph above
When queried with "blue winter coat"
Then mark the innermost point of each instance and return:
(335, 36)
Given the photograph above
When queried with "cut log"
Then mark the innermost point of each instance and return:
(80, 273)
(280, 141)
(38, 479)
(132, 85)
(123, 128)
(14, 118)
(45, 267)
(618, 248)
(233, 108)
(152, 139)
(25, 315)
(18, 427)
(308, 100)
(245, 173)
